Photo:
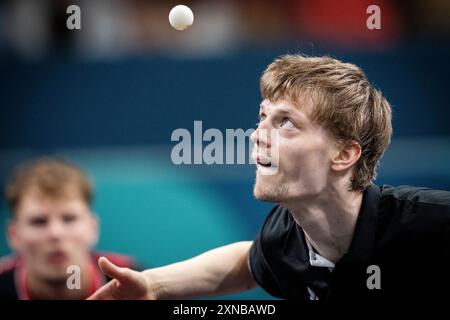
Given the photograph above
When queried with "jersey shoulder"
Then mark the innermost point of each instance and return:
(8, 289)
(277, 225)
(420, 195)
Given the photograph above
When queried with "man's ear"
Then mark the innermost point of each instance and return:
(346, 156)
(13, 236)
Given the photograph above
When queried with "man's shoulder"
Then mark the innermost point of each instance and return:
(418, 217)
(275, 253)
(420, 195)
(8, 265)
(278, 222)
(278, 229)
(417, 204)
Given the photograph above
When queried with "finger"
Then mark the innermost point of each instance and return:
(105, 292)
(111, 270)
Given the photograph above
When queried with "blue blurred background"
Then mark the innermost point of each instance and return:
(109, 96)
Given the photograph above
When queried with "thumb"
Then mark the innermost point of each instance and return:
(111, 270)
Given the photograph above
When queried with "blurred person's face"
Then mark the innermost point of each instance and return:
(52, 233)
(305, 150)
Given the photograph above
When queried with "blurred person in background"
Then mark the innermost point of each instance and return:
(52, 227)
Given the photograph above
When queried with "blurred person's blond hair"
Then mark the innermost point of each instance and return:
(51, 177)
(344, 102)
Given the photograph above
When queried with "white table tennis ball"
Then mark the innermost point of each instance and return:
(181, 17)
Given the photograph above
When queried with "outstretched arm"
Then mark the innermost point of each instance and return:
(219, 271)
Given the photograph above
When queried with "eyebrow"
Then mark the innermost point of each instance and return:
(286, 110)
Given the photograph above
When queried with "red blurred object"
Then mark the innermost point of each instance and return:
(343, 23)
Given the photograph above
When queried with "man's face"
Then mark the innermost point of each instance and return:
(304, 149)
(52, 233)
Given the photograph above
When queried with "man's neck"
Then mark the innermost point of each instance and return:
(328, 220)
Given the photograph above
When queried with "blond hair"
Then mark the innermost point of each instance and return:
(50, 176)
(344, 101)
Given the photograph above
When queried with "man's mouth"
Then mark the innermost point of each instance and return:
(264, 162)
(57, 257)
(266, 168)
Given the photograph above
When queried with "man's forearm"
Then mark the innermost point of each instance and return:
(216, 272)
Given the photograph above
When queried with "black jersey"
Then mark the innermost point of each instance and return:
(402, 233)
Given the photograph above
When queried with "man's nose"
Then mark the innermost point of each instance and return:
(55, 230)
(261, 136)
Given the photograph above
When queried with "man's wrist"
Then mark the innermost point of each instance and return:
(155, 289)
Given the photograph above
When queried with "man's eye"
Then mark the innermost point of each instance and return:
(286, 123)
(38, 222)
(69, 218)
(261, 119)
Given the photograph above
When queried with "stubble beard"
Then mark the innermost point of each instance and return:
(270, 193)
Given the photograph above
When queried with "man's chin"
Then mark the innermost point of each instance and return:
(59, 274)
(55, 272)
(54, 279)
(270, 194)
